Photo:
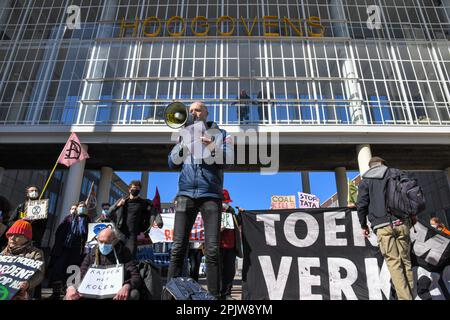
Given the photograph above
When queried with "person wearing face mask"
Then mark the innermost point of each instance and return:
(39, 226)
(105, 216)
(435, 222)
(132, 216)
(19, 244)
(70, 240)
(110, 251)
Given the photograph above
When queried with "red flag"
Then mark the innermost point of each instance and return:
(73, 152)
(157, 201)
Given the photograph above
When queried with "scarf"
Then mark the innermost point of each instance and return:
(77, 229)
(19, 249)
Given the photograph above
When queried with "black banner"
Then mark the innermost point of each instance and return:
(315, 254)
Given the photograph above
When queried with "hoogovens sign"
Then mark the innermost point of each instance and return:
(315, 254)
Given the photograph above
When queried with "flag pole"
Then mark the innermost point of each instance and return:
(49, 178)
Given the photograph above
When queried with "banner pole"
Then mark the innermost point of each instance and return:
(49, 178)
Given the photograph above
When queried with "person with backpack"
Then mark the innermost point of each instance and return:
(391, 200)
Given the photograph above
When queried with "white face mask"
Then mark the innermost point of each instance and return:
(434, 226)
(33, 195)
(225, 206)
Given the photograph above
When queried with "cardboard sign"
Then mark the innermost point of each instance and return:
(165, 234)
(282, 202)
(227, 220)
(94, 229)
(307, 200)
(13, 271)
(37, 209)
(102, 282)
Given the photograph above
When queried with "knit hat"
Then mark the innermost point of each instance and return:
(21, 227)
(226, 196)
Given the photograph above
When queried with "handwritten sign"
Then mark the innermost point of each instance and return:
(165, 234)
(307, 200)
(227, 220)
(282, 202)
(37, 209)
(102, 282)
(13, 271)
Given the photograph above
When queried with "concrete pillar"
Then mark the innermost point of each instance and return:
(2, 172)
(306, 185)
(352, 87)
(341, 185)
(364, 154)
(72, 188)
(104, 187)
(144, 181)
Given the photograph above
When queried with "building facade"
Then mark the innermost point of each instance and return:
(337, 80)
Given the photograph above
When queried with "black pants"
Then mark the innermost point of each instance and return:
(195, 259)
(228, 262)
(186, 212)
(131, 243)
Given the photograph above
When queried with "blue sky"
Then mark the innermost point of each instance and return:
(248, 190)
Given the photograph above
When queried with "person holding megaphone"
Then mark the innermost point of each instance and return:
(200, 189)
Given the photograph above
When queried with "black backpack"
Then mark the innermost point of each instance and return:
(404, 197)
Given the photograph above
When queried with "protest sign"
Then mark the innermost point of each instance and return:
(13, 271)
(94, 229)
(165, 234)
(227, 220)
(37, 209)
(315, 254)
(282, 202)
(102, 282)
(144, 252)
(307, 200)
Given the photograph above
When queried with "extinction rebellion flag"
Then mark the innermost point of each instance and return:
(315, 254)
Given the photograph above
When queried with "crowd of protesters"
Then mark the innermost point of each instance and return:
(201, 190)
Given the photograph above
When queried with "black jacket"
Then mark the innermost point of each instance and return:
(131, 272)
(371, 199)
(146, 215)
(63, 231)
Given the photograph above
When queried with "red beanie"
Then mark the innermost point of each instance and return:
(21, 227)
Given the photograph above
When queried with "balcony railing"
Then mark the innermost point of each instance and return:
(232, 112)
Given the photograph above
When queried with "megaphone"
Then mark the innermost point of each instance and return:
(176, 115)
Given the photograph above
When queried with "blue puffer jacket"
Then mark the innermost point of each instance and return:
(201, 180)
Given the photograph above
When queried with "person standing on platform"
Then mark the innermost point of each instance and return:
(199, 189)
(132, 216)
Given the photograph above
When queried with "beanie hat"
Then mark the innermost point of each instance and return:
(21, 227)
(226, 196)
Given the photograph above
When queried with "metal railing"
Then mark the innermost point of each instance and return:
(232, 112)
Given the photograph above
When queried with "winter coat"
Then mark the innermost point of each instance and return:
(201, 180)
(371, 198)
(131, 272)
